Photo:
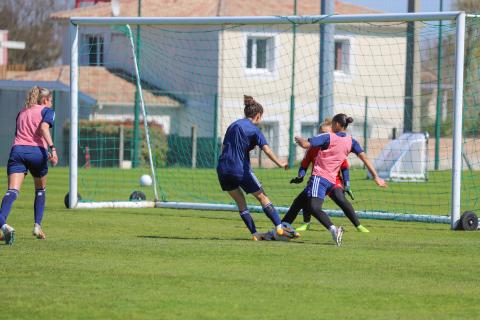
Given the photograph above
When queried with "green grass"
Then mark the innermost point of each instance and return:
(201, 185)
(171, 264)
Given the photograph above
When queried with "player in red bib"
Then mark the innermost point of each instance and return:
(337, 194)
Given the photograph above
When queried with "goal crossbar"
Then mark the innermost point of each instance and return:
(314, 19)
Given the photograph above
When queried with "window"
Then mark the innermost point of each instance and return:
(268, 130)
(260, 53)
(95, 50)
(342, 61)
(309, 130)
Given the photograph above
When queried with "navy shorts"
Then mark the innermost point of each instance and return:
(248, 182)
(28, 158)
(318, 187)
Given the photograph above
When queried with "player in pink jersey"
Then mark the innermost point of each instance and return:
(337, 194)
(29, 153)
(335, 147)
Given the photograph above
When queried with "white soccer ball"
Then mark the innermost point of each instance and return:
(145, 180)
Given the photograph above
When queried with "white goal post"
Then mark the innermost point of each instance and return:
(458, 17)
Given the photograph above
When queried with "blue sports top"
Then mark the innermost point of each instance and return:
(323, 141)
(241, 137)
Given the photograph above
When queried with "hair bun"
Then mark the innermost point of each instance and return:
(248, 100)
(349, 120)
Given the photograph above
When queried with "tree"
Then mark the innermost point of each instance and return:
(29, 21)
(471, 90)
(469, 6)
(471, 97)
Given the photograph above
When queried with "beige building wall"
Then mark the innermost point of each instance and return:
(376, 69)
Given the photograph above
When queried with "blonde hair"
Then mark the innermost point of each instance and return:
(36, 95)
(327, 122)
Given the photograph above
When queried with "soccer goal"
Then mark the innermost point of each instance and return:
(166, 89)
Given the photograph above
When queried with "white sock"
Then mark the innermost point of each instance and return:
(333, 229)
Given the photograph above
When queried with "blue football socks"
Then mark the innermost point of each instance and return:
(272, 214)
(7, 202)
(247, 218)
(39, 205)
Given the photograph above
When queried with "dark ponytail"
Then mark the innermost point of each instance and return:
(252, 107)
(342, 119)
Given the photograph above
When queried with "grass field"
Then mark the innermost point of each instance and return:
(171, 264)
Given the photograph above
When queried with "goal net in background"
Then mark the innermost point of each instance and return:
(194, 73)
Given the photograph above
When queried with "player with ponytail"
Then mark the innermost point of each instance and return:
(337, 194)
(235, 173)
(334, 149)
(29, 153)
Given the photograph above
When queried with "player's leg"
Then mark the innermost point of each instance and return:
(239, 198)
(272, 214)
(15, 181)
(39, 206)
(37, 163)
(338, 196)
(317, 189)
(250, 184)
(231, 184)
(307, 217)
(297, 205)
(16, 171)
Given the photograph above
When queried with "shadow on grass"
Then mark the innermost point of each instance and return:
(293, 242)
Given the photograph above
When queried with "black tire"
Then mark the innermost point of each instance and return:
(137, 196)
(468, 221)
(66, 200)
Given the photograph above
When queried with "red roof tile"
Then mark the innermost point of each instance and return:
(207, 8)
(100, 84)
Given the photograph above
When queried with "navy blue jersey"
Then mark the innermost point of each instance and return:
(241, 137)
(48, 116)
(323, 141)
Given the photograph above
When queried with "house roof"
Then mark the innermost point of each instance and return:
(106, 87)
(208, 8)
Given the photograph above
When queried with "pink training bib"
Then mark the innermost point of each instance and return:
(28, 123)
(328, 162)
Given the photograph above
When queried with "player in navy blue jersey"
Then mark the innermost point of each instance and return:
(29, 153)
(235, 173)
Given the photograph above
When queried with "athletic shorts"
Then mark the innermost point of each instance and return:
(28, 158)
(318, 187)
(248, 182)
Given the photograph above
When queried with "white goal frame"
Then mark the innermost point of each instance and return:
(457, 16)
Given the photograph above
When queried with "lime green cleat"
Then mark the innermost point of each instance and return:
(304, 227)
(361, 228)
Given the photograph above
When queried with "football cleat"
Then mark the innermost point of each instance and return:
(361, 228)
(257, 236)
(304, 227)
(338, 235)
(287, 231)
(8, 234)
(38, 232)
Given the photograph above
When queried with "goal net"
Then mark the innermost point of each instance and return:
(383, 70)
